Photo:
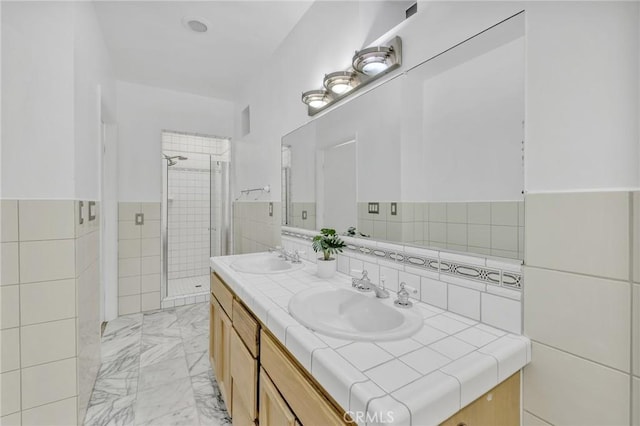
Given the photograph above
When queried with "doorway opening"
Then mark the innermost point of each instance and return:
(195, 212)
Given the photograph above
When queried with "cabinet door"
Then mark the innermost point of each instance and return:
(244, 379)
(500, 406)
(221, 346)
(274, 411)
(212, 328)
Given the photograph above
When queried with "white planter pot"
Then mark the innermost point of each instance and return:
(326, 268)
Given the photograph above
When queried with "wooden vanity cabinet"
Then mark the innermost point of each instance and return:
(273, 408)
(500, 406)
(244, 366)
(262, 383)
(220, 350)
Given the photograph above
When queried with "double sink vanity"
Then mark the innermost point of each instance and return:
(290, 348)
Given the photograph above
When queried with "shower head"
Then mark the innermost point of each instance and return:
(173, 159)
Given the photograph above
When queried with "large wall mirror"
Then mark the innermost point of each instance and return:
(432, 157)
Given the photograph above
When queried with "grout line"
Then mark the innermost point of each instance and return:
(631, 328)
(536, 416)
(581, 357)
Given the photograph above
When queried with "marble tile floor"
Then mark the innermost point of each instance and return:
(155, 371)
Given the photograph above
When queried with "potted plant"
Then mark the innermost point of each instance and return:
(329, 243)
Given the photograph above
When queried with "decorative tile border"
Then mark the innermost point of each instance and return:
(482, 274)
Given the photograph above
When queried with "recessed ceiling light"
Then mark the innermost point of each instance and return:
(195, 24)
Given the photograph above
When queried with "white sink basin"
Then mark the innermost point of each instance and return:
(264, 264)
(347, 314)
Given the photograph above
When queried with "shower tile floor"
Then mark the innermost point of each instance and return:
(155, 371)
(189, 285)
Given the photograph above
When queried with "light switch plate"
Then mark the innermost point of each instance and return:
(304, 215)
(270, 209)
(394, 209)
(373, 208)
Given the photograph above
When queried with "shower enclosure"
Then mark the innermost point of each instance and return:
(195, 213)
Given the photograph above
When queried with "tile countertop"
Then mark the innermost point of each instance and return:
(421, 380)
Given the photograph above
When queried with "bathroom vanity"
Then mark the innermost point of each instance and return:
(272, 370)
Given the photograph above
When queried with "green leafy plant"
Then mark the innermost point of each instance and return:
(328, 242)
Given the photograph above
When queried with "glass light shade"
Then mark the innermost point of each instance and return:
(339, 82)
(372, 60)
(373, 68)
(315, 98)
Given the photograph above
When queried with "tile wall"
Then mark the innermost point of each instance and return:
(487, 228)
(189, 217)
(582, 309)
(254, 229)
(50, 316)
(304, 215)
(139, 266)
(478, 288)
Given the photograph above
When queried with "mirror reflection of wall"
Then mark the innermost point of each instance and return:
(440, 149)
(337, 184)
(299, 181)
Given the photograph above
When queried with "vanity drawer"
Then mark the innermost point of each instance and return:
(222, 293)
(247, 327)
(305, 399)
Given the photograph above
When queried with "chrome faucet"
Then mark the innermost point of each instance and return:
(365, 284)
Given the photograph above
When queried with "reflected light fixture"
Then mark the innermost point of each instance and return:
(315, 98)
(372, 60)
(339, 82)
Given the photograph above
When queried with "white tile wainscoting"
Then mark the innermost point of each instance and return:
(50, 297)
(487, 228)
(138, 258)
(479, 288)
(582, 308)
(254, 229)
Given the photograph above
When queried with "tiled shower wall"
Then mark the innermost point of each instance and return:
(254, 229)
(50, 316)
(582, 309)
(189, 218)
(138, 258)
(487, 228)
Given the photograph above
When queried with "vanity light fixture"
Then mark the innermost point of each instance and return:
(339, 82)
(369, 64)
(372, 60)
(315, 98)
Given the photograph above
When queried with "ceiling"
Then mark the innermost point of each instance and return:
(149, 44)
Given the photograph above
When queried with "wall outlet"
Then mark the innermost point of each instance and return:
(304, 215)
(139, 219)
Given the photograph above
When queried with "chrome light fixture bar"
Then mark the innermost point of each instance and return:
(369, 64)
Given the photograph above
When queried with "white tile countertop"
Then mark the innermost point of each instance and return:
(421, 380)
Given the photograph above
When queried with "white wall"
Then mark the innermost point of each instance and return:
(472, 131)
(143, 112)
(53, 60)
(582, 96)
(300, 63)
(94, 95)
(38, 150)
